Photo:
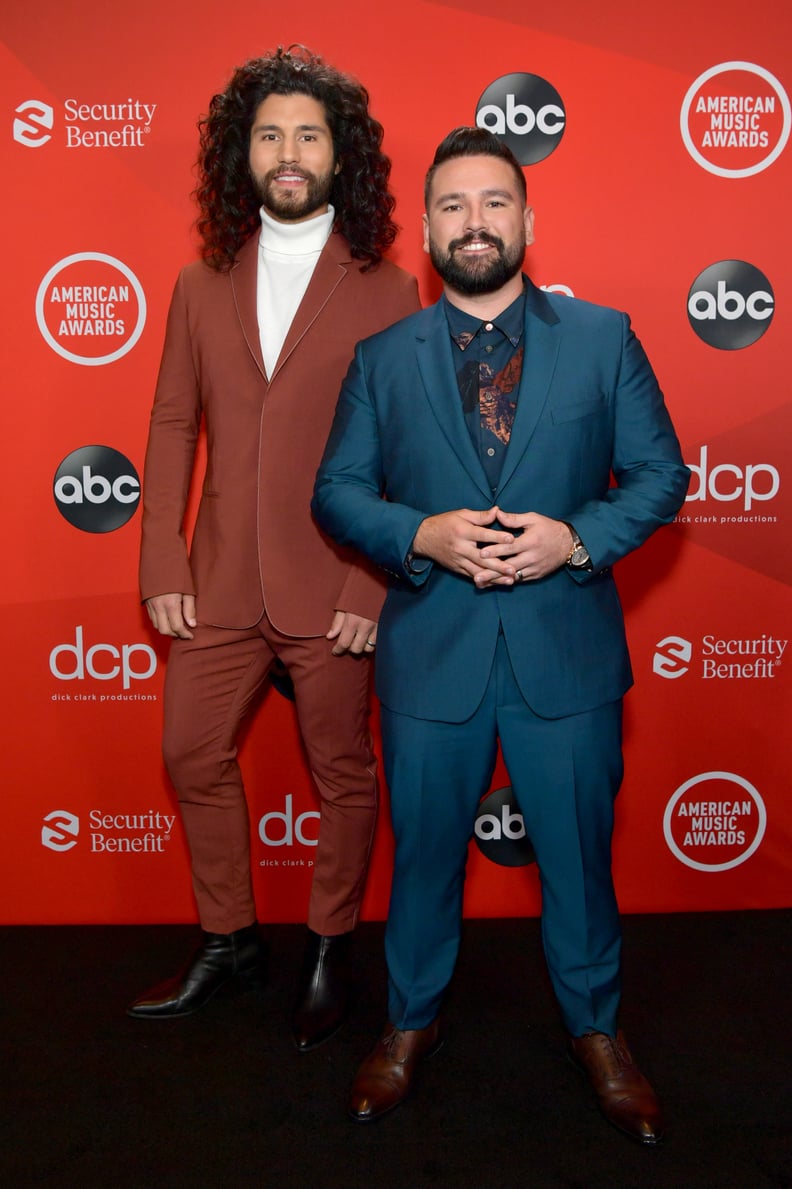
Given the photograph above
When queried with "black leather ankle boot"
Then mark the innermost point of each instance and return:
(221, 957)
(323, 990)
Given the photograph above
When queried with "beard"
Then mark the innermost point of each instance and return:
(471, 275)
(283, 204)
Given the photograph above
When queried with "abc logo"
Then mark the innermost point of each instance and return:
(500, 830)
(96, 489)
(730, 305)
(526, 112)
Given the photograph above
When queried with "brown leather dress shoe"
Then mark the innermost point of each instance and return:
(625, 1097)
(385, 1077)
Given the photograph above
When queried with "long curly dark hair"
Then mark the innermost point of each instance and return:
(227, 198)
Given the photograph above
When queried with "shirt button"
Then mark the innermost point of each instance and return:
(489, 349)
(491, 452)
(488, 326)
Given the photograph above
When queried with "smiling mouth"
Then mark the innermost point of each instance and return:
(475, 244)
(290, 179)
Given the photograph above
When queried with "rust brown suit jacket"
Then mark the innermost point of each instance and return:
(255, 546)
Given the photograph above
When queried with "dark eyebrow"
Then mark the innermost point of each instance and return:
(300, 128)
(457, 194)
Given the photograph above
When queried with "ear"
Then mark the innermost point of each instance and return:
(528, 219)
(337, 169)
(425, 221)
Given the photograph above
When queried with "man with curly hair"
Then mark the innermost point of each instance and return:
(295, 215)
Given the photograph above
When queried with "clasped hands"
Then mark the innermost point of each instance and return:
(462, 542)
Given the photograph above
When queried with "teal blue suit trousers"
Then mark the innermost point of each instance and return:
(565, 774)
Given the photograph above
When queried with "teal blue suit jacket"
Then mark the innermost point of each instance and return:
(592, 444)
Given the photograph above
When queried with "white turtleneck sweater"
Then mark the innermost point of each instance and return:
(288, 253)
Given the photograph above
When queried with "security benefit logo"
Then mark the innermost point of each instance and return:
(735, 119)
(90, 309)
(33, 123)
(720, 658)
(730, 305)
(715, 821)
(96, 489)
(144, 833)
(499, 831)
(526, 112)
(119, 124)
(60, 830)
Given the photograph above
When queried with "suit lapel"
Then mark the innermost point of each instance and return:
(542, 340)
(330, 271)
(436, 367)
(327, 275)
(244, 277)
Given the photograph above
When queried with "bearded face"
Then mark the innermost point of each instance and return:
(477, 262)
(292, 158)
(477, 225)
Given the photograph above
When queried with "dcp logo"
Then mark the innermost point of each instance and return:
(526, 112)
(289, 829)
(85, 661)
(33, 124)
(96, 489)
(755, 483)
(500, 830)
(672, 657)
(60, 830)
(730, 305)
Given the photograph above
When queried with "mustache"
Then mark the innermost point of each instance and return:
(476, 237)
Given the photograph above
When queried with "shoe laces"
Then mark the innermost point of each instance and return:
(618, 1054)
(390, 1041)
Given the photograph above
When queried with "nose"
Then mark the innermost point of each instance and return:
(476, 220)
(289, 150)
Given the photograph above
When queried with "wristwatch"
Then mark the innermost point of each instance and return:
(578, 555)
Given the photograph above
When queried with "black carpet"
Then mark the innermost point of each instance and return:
(222, 1099)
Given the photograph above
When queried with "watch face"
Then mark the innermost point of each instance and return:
(580, 557)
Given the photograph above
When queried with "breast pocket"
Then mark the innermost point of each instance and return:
(577, 410)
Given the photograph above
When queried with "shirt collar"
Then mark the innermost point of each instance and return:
(296, 239)
(464, 327)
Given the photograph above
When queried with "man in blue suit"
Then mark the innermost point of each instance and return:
(497, 453)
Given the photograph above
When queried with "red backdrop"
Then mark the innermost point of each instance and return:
(666, 195)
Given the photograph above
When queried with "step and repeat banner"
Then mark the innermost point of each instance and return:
(657, 157)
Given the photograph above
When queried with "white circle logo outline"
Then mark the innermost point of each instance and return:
(694, 780)
(767, 161)
(99, 360)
